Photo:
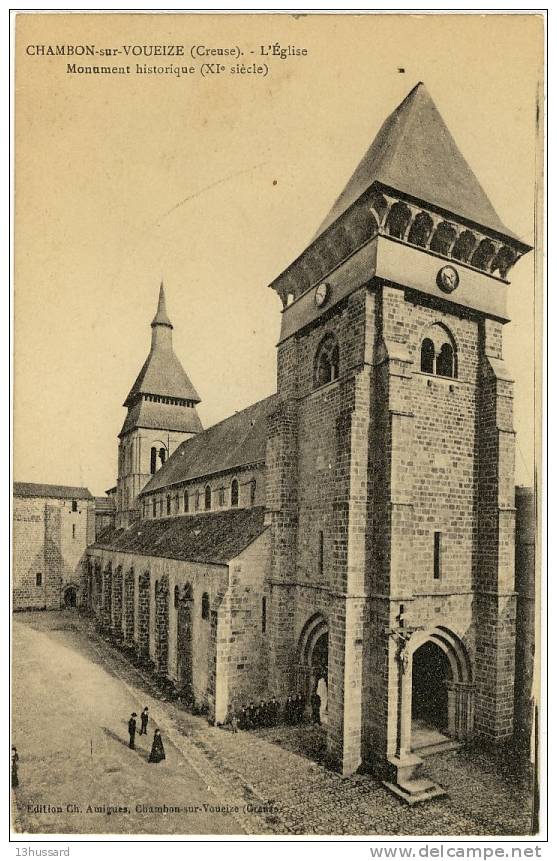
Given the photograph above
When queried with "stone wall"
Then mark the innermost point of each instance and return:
(48, 539)
(526, 682)
(228, 661)
(251, 492)
(361, 474)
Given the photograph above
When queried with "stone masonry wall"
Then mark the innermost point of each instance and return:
(48, 539)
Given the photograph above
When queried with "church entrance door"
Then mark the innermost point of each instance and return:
(431, 673)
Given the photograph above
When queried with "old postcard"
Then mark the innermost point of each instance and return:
(278, 290)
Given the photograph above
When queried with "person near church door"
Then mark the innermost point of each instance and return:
(316, 708)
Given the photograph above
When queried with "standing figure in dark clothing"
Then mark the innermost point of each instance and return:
(263, 714)
(289, 711)
(315, 708)
(132, 726)
(244, 718)
(157, 750)
(275, 712)
(300, 704)
(252, 715)
(15, 760)
(144, 721)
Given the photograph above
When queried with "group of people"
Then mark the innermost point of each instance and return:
(271, 712)
(157, 748)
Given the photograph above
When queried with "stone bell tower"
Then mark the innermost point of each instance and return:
(161, 414)
(390, 459)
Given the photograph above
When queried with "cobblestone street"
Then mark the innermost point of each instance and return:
(73, 693)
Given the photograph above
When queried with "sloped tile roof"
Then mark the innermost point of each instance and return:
(237, 441)
(415, 153)
(216, 538)
(51, 491)
(162, 374)
(171, 417)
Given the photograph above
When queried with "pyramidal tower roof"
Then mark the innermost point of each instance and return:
(162, 373)
(415, 153)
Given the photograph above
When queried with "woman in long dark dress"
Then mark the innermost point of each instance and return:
(157, 750)
(15, 760)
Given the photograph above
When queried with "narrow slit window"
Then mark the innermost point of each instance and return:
(39, 579)
(73, 530)
(320, 554)
(153, 460)
(263, 615)
(437, 548)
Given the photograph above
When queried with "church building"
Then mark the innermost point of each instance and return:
(356, 530)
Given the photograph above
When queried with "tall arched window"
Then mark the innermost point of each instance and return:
(438, 352)
(186, 501)
(197, 500)
(168, 504)
(326, 361)
(162, 455)
(445, 364)
(252, 490)
(205, 606)
(207, 498)
(427, 356)
(176, 597)
(153, 460)
(234, 493)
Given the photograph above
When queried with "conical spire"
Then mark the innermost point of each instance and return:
(415, 154)
(162, 374)
(161, 317)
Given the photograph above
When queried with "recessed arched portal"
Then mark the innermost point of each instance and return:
(430, 674)
(313, 661)
(442, 689)
(70, 597)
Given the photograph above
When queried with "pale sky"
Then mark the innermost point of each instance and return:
(215, 185)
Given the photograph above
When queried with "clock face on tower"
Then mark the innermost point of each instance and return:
(321, 294)
(447, 279)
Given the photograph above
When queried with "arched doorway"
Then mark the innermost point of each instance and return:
(70, 597)
(313, 662)
(442, 689)
(430, 674)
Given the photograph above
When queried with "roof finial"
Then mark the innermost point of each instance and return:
(161, 317)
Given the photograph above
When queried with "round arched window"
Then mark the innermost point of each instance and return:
(234, 492)
(438, 352)
(326, 361)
